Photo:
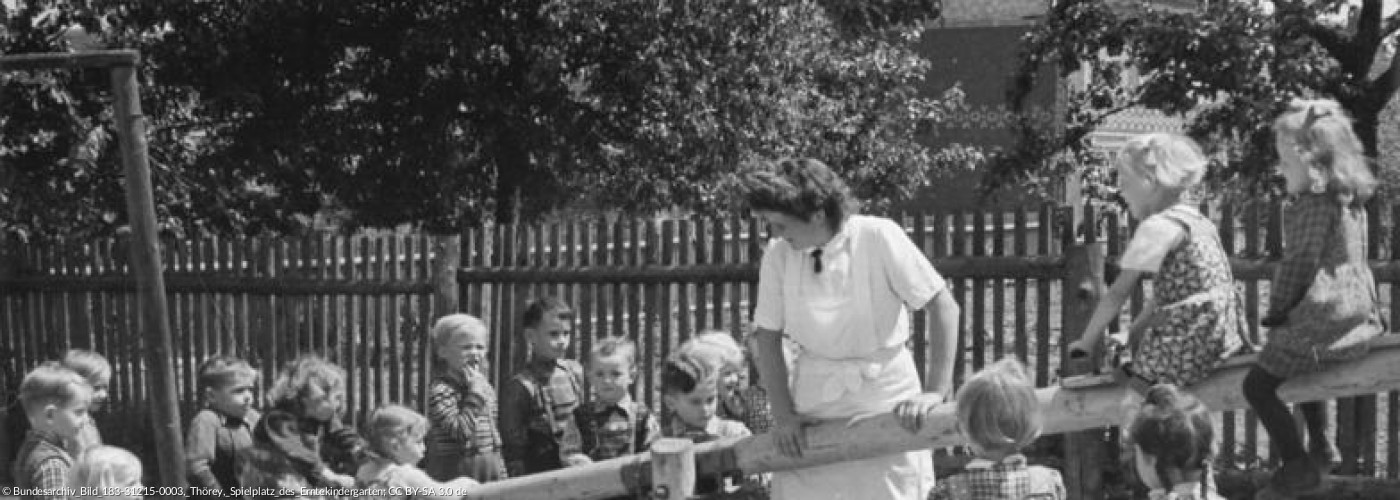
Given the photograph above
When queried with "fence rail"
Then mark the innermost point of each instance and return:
(367, 301)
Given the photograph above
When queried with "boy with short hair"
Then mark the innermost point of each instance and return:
(690, 388)
(223, 430)
(538, 431)
(612, 424)
(55, 400)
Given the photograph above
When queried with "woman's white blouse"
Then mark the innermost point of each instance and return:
(872, 274)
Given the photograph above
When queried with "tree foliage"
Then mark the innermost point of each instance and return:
(441, 113)
(1227, 67)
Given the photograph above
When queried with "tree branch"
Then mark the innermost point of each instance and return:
(1368, 25)
(1390, 25)
(1384, 86)
(1334, 41)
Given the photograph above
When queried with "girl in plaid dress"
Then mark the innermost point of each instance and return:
(462, 436)
(1193, 322)
(1322, 301)
(1172, 437)
(999, 413)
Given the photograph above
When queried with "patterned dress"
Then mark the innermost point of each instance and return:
(1198, 322)
(1009, 479)
(1322, 300)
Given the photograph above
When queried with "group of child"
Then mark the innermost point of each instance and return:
(1322, 310)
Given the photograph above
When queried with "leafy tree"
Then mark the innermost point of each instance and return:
(440, 112)
(1226, 66)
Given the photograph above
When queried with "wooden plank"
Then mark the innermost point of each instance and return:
(652, 362)
(1019, 248)
(654, 311)
(979, 294)
(394, 360)
(718, 301)
(684, 327)
(1065, 410)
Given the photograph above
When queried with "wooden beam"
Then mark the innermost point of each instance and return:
(1083, 403)
(56, 60)
(150, 284)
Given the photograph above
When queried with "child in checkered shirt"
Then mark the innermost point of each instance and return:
(55, 400)
(1322, 300)
(1172, 436)
(999, 414)
(612, 424)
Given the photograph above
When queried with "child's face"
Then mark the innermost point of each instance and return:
(550, 339)
(466, 349)
(610, 376)
(1295, 171)
(697, 407)
(800, 234)
(730, 380)
(99, 392)
(66, 419)
(1140, 192)
(233, 399)
(321, 405)
(408, 449)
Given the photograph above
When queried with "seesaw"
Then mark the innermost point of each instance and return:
(1076, 404)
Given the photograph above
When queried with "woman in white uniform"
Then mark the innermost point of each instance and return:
(841, 286)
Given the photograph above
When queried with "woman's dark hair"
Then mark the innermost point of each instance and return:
(1175, 428)
(796, 187)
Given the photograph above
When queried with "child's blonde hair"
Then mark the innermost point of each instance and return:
(108, 472)
(52, 383)
(450, 326)
(390, 422)
(1326, 141)
(614, 347)
(1173, 162)
(998, 409)
(720, 346)
(300, 375)
(89, 364)
(690, 366)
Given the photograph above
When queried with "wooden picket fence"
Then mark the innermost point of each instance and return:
(366, 301)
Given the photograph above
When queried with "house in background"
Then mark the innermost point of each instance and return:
(974, 45)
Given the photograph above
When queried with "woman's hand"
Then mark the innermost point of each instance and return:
(1083, 347)
(911, 413)
(789, 434)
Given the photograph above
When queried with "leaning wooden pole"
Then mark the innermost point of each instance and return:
(1082, 403)
(146, 266)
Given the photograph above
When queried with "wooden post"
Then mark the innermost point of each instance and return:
(672, 469)
(1082, 288)
(447, 255)
(150, 284)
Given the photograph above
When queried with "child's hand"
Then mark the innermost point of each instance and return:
(576, 460)
(340, 480)
(911, 413)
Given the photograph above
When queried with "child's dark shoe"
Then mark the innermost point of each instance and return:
(1297, 477)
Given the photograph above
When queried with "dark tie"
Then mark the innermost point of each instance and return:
(817, 261)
